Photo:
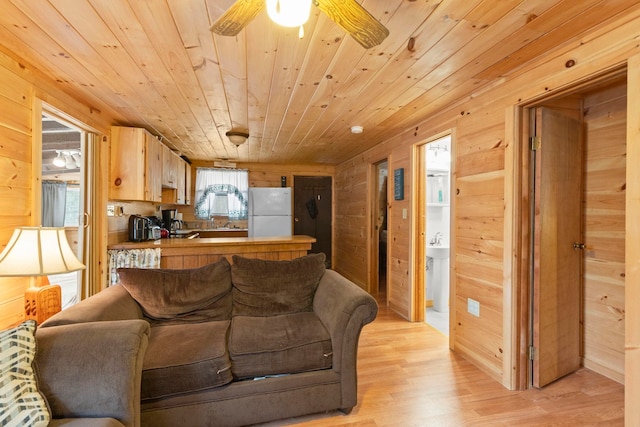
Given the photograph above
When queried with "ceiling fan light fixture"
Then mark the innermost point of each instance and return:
(237, 138)
(289, 13)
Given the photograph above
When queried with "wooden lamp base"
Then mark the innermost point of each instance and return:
(42, 301)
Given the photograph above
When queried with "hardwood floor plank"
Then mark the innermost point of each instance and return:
(407, 376)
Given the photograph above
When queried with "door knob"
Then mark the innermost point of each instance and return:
(578, 246)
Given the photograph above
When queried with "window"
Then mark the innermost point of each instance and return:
(222, 192)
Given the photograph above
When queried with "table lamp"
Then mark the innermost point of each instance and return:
(39, 251)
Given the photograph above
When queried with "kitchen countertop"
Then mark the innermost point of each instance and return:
(175, 243)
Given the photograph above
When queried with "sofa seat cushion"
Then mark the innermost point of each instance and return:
(269, 288)
(285, 344)
(184, 358)
(187, 295)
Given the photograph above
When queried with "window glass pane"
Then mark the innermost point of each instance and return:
(222, 192)
(72, 207)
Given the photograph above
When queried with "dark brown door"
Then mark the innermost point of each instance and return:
(556, 262)
(312, 211)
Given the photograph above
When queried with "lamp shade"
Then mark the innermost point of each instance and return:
(38, 251)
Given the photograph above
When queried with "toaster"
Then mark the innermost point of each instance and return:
(138, 228)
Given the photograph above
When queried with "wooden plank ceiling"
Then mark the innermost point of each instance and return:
(155, 64)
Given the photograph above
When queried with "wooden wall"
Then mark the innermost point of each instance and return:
(604, 229)
(20, 87)
(15, 180)
(484, 124)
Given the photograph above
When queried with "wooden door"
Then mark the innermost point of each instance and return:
(313, 211)
(556, 263)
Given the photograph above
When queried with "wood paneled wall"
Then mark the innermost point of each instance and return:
(483, 124)
(604, 229)
(15, 180)
(20, 88)
(352, 221)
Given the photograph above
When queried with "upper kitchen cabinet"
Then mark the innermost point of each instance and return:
(136, 165)
(181, 178)
(187, 183)
(170, 165)
(176, 178)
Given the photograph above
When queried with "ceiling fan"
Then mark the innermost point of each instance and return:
(348, 14)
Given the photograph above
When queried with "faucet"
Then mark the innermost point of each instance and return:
(228, 223)
(437, 240)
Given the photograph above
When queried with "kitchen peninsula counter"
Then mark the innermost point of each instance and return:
(191, 253)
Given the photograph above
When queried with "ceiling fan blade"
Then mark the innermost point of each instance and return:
(237, 17)
(355, 20)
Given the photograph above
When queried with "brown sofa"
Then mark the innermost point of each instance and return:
(233, 345)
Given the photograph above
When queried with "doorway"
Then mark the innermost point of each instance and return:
(438, 233)
(62, 193)
(312, 211)
(434, 243)
(82, 170)
(380, 217)
(575, 243)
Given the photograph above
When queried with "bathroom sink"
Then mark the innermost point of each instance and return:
(439, 252)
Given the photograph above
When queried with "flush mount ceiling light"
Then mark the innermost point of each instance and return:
(237, 138)
(356, 129)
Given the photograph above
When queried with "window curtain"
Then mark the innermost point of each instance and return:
(54, 200)
(214, 185)
(131, 258)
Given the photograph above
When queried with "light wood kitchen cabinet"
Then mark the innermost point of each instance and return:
(180, 193)
(136, 165)
(170, 163)
(181, 182)
(187, 183)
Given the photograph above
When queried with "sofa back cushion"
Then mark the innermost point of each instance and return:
(269, 288)
(197, 294)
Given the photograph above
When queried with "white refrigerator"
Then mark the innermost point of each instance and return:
(269, 211)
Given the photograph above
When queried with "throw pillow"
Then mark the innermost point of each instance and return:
(195, 294)
(269, 288)
(21, 404)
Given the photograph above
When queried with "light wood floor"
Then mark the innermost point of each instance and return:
(408, 377)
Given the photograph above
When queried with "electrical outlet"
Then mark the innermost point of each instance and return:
(473, 307)
(404, 213)
(115, 210)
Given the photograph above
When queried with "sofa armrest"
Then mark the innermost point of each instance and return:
(90, 370)
(113, 303)
(344, 308)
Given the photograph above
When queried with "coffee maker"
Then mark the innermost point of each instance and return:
(171, 221)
